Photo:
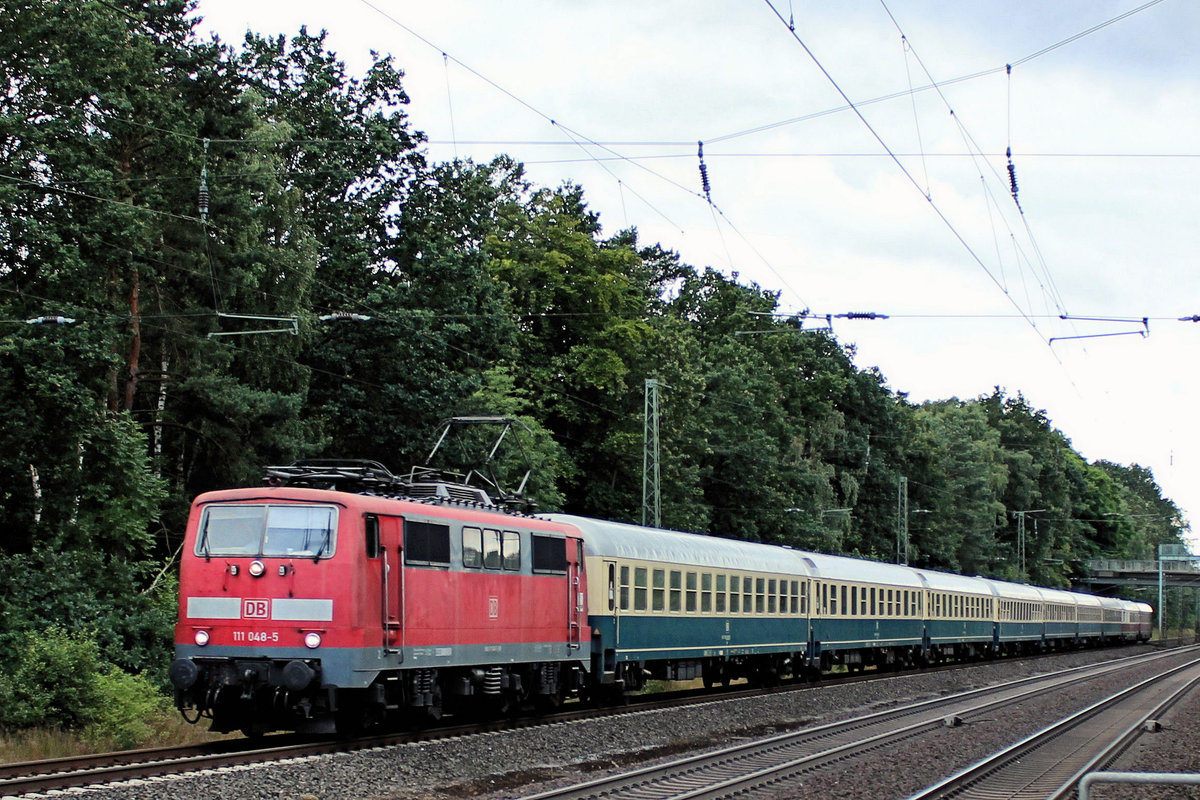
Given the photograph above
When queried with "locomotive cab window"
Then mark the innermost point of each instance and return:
(286, 531)
(549, 554)
(426, 543)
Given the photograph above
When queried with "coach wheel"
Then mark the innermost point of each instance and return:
(715, 672)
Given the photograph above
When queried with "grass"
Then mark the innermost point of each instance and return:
(165, 729)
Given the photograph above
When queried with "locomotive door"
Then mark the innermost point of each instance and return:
(576, 596)
(391, 557)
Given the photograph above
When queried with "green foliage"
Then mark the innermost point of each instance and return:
(131, 709)
(52, 679)
(56, 679)
(85, 591)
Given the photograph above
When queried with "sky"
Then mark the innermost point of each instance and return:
(839, 178)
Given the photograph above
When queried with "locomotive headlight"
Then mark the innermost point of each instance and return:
(257, 568)
(312, 640)
(202, 638)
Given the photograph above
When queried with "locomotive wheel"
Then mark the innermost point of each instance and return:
(255, 730)
(353, 715)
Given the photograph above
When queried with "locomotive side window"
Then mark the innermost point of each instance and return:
(426, 543)
(302, 531)
(371, 529)
(472, 548)
(549, 554)
(491, 548)
(511, 549)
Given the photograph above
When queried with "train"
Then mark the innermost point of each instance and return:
(338, 597)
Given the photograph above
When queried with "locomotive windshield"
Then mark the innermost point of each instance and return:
(291, 531)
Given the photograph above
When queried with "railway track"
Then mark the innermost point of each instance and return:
(767, 767)
(1049, 764)
(65, 773)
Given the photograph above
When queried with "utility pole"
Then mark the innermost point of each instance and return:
(1020, 515)
(651, 487)
(902, 521)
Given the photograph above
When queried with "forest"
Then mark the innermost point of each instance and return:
(216, 257)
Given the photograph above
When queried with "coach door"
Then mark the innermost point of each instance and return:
(610, 598)
(389, 540)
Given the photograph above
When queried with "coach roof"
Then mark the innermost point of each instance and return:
(620, 540)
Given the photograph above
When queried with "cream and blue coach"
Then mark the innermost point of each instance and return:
(865, 613)
(678, 606)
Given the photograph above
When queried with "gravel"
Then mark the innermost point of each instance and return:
(514, 764)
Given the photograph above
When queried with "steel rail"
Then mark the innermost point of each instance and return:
(1049, 763)
(743, 767)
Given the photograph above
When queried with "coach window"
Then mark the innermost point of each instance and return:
(511, 550)
(735, 594)
(612, 586)
(772, 589)
(690, 597)
(721, 591)
(639, 588)
(426, 543)
(624, 587)
(676, 590)
(706, 584)
(759, 594)
(660, 592)
(472, 547)
(747, 595)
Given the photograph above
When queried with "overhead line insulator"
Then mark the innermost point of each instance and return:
(704, 184)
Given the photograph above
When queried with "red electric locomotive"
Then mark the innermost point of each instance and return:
(309, 609)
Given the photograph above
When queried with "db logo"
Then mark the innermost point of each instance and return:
(256, 609)
(493, 607)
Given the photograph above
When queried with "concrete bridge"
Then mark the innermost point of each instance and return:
(1175, 573)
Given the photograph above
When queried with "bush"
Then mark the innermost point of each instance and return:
(132, 712)
(53, 680)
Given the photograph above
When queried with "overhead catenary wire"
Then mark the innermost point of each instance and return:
(943, 83)
(900, 164)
